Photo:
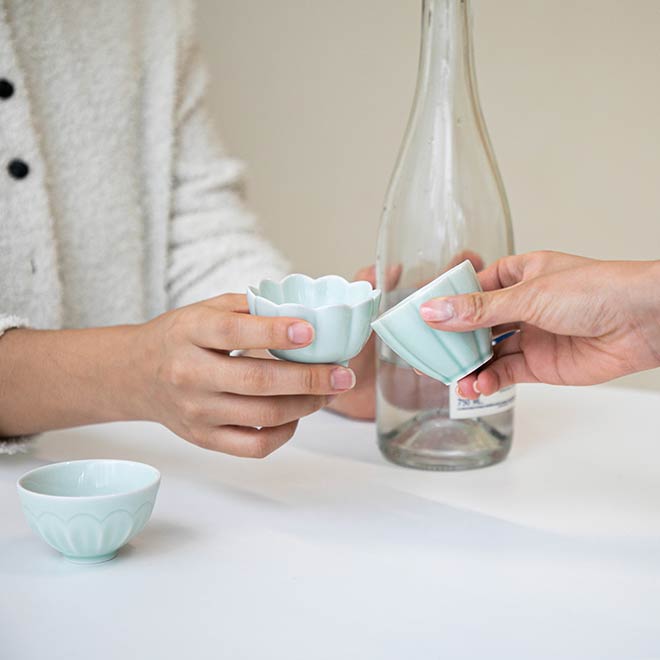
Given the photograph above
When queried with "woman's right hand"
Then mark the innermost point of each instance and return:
(581, 321)
(243, 406)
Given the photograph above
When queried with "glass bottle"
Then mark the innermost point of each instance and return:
(446, 202)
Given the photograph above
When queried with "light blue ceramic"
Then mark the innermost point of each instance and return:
(340, 311)
(89, 509)
(445, 356)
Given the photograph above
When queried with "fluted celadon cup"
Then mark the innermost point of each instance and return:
(89, 509)
(445, 356)
(340, 311)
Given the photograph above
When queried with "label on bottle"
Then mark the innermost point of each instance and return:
(460, 408)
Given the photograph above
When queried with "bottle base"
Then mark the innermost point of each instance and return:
(445, 444)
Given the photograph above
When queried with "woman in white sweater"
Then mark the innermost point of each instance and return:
(116, 205)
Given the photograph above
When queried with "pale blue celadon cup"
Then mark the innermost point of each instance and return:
(445, 356)
(89, 509)
(340, 311)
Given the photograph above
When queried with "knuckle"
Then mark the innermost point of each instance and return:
(177, 372)
(275, 331)
(537, 262)
(474, 309)
(191, 410)
(228, 327)
(233, 301)
(311, 380)
(176, 327)
(259, 377)
(199, 437)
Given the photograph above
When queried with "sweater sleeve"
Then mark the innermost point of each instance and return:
(13, 445)
(214, 242)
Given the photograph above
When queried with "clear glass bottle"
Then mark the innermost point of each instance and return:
(446, 202)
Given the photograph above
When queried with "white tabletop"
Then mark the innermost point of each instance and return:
(324, 550)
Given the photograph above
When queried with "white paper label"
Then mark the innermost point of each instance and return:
(460, 408)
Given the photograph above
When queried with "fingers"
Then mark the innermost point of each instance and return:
(466, 386)
(503, 273)
(255, 377)
(209, 326)
(471, 256)
(478, 310)
(392, 276)
(246, 442)
(268, 411)
(502, 372)
(508, 271)
(367, 274)
(229, 302)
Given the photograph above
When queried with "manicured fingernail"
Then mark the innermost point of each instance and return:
(475, 387)
(342, 379)
(437, 310)
(300, 333)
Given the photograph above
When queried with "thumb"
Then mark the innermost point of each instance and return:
(477, 310)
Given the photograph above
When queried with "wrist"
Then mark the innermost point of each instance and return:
(132, 372)
(60, 378)
(644, 292)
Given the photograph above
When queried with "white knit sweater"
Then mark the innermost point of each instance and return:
(129, 207)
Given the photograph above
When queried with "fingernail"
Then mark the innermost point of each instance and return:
(459, 391)
(437, 310)
(475, 387)
(300, 333)
(342, 379)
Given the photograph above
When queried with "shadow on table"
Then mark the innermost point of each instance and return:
(28, 554)
(159, 537)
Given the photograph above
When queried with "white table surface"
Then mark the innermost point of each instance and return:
(324, 550)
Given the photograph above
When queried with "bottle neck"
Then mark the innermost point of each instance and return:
(446, 64)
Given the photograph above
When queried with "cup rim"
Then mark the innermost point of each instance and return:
(423, 290)
(72, 498)
(373, 294)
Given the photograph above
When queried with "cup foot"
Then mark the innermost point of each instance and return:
(97, 559)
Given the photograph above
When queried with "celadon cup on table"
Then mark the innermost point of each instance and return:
(341, 313)
(89, 509)
(445, 356)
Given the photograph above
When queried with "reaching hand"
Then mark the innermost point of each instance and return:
(581, 321)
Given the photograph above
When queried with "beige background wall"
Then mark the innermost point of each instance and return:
(314, 95)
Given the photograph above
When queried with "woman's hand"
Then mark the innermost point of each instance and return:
(238, 405)
(176, 370)
(581, 321)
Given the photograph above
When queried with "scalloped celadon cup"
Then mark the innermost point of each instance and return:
(89, 509)
(340, 311)
(445, 356)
